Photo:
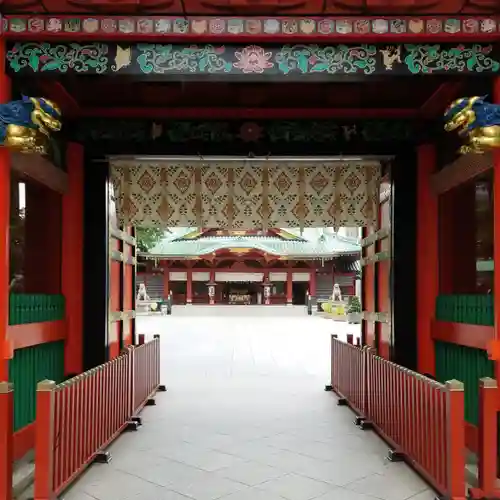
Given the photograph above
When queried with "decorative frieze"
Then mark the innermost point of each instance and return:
(105, 27)
(290, 61)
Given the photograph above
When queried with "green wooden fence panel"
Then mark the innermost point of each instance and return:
(28, 367)
(467, 364)
(459, 362)
(470, 309)
(35, 308)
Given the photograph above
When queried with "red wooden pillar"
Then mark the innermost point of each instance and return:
(496, 239)
(166, 284)
(189, 287)
(266, 291)
(212, 280)
(5, 96)
(427, 257)
(312, 283)
(289, 287)
(72, 259)
(42, 257)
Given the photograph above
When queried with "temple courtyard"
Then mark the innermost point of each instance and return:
(246, 418)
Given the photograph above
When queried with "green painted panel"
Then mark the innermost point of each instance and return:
(467, 364)
(35, 308)
(26, 369)
(470, 309)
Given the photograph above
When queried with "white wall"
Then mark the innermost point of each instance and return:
(350, 232)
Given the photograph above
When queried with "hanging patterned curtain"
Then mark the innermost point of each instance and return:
(246, 194)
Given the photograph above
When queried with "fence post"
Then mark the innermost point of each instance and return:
(142, 339)
(333, 339)
(350, 338)
(6, 438)
(44, 440)
(160, 387)
(487, 437)
(131, 374)
(455, 440)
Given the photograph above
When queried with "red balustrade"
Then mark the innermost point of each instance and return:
(348, 373)
(77, 419)
(146, 369)
(487, 453)
(421, 419)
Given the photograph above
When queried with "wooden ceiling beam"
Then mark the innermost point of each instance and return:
(223, 113)
(55, 91)
(440, 99)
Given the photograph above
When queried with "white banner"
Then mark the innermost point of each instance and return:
(178, 276)
(300, 276)
(273, 277)
(239, 277)
(201, 276)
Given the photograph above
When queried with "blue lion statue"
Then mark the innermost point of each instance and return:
(476, 121)
(26, 125)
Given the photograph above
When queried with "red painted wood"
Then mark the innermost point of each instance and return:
(496, 233)
(427, 257)
(368, 291)
(128, 289)
(72, 258)
(5, 94)
(247, 113)
(31, 334)
(115, 306)
(476, 336)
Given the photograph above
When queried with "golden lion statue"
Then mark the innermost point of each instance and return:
(26, 125)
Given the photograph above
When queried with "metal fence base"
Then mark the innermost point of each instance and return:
(102, 457)
(395, 456)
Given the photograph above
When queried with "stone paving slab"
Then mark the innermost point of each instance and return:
(246, 418)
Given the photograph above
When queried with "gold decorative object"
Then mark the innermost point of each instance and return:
(476, 121)
(26, 125)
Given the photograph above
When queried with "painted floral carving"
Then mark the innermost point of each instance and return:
(253, 59)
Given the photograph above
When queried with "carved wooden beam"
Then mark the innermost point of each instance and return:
(41, 170)
(462, 170)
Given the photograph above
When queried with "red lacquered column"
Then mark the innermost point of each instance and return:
(496, 241)
(72, 259)
(5, 96)
(427, 257)
(289, 287)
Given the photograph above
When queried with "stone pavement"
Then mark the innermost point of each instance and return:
(246, 418)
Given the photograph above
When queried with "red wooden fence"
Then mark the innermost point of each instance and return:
(421, 419)
(487, 441)
(348, 374)
(78, 419)
(145, 382)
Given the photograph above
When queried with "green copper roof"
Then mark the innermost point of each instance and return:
(312, 243)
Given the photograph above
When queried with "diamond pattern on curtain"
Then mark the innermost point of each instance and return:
(246, 194)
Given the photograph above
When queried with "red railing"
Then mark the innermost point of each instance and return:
(487, 453)
(421, 419)
(78, 419)
(348, 373)
(146, 370)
